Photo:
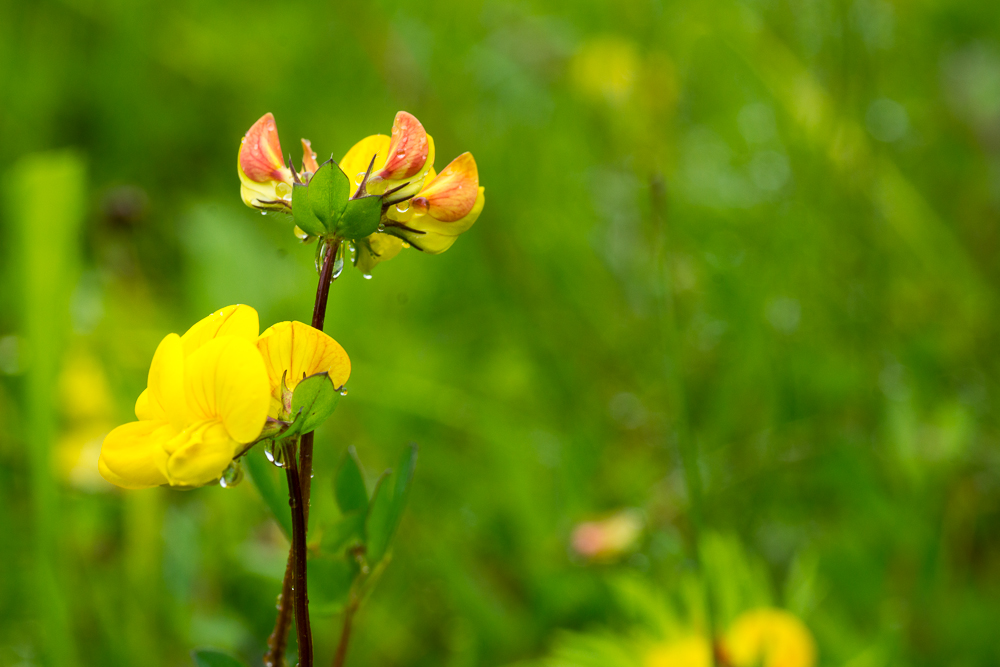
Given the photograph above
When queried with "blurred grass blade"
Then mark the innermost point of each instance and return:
(45, 204)
(272, 485)
(352, 495)
(213, 658)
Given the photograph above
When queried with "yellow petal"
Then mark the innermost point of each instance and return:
(453, 193)
(166, 382)
(408, 148)
(301, 351)
(238, 320)
(147, 409)
(200, 454)
(225, 380)
(132, 455)
(380, 247)
(771, 638)
(355, 162)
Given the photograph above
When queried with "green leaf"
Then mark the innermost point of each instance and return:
(329, 191)
(404, 475)
(349, 484)
(302, 212)
(346, 532)
(272, 484)
(330, 581)
(361, 218)
(211, 658)
(313, 401)
(387, 505)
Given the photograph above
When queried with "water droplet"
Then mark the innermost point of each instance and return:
(274, 454)
(343, 392)
(403, 206)
(338, 264)
(232, 475)
(359, 178)
(263, 212)
(283, 190)
(366, 276)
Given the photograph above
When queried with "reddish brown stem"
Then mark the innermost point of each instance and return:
(278, 641)
(303, 632)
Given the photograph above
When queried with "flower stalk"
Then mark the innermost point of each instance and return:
(301, 596)
(289, 600)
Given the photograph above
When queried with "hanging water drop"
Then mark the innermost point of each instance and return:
(232, 475)
(338, 264)
(274, 454)
(343, 391)
(359, 178)
(403, 206)
(366, 276)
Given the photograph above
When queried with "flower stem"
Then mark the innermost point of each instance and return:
(278, 640)
(297, 503)
(345, 633)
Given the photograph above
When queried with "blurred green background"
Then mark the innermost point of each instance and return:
(764, 230)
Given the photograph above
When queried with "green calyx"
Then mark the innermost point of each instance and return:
(324, 206)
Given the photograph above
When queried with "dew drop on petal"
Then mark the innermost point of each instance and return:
(403, 206)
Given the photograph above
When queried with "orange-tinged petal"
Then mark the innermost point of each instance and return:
(408, 148)
(260, 152)
(166, 382)
(225, 380)
(453, 193)
(200, 454)
(297, 350)
(132, 455)
(432, 236)
(239, 320)
(309, 157)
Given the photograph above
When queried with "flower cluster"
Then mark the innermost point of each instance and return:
(383, 195)
(214, 392)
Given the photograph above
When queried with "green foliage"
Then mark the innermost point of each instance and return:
(813, 185)
(313, 401)
(361, 217)
(213, 658)
(272, 484)
(349, 484)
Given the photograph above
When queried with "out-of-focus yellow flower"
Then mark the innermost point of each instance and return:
(265, 181)
(207, 399)
(769, 638)
(608, 538)
(293, 351)
(693, 651)
(605, 69)
(445, 207)
(88, 412)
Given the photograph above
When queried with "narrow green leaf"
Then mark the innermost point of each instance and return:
(330, 581)
(347, 532)
(329, 191)
(272, 484)
(379, 527)
(361, 218)
(349, 484)
(302, 212)
(313, 401)
(387, 505)
(401, 492)
(212, 658)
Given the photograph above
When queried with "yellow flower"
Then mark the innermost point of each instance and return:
(444, 208)
(293, 351)
(400, 160)
(693, 651)
(265, 181)
(207, 399)
(769, 638)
